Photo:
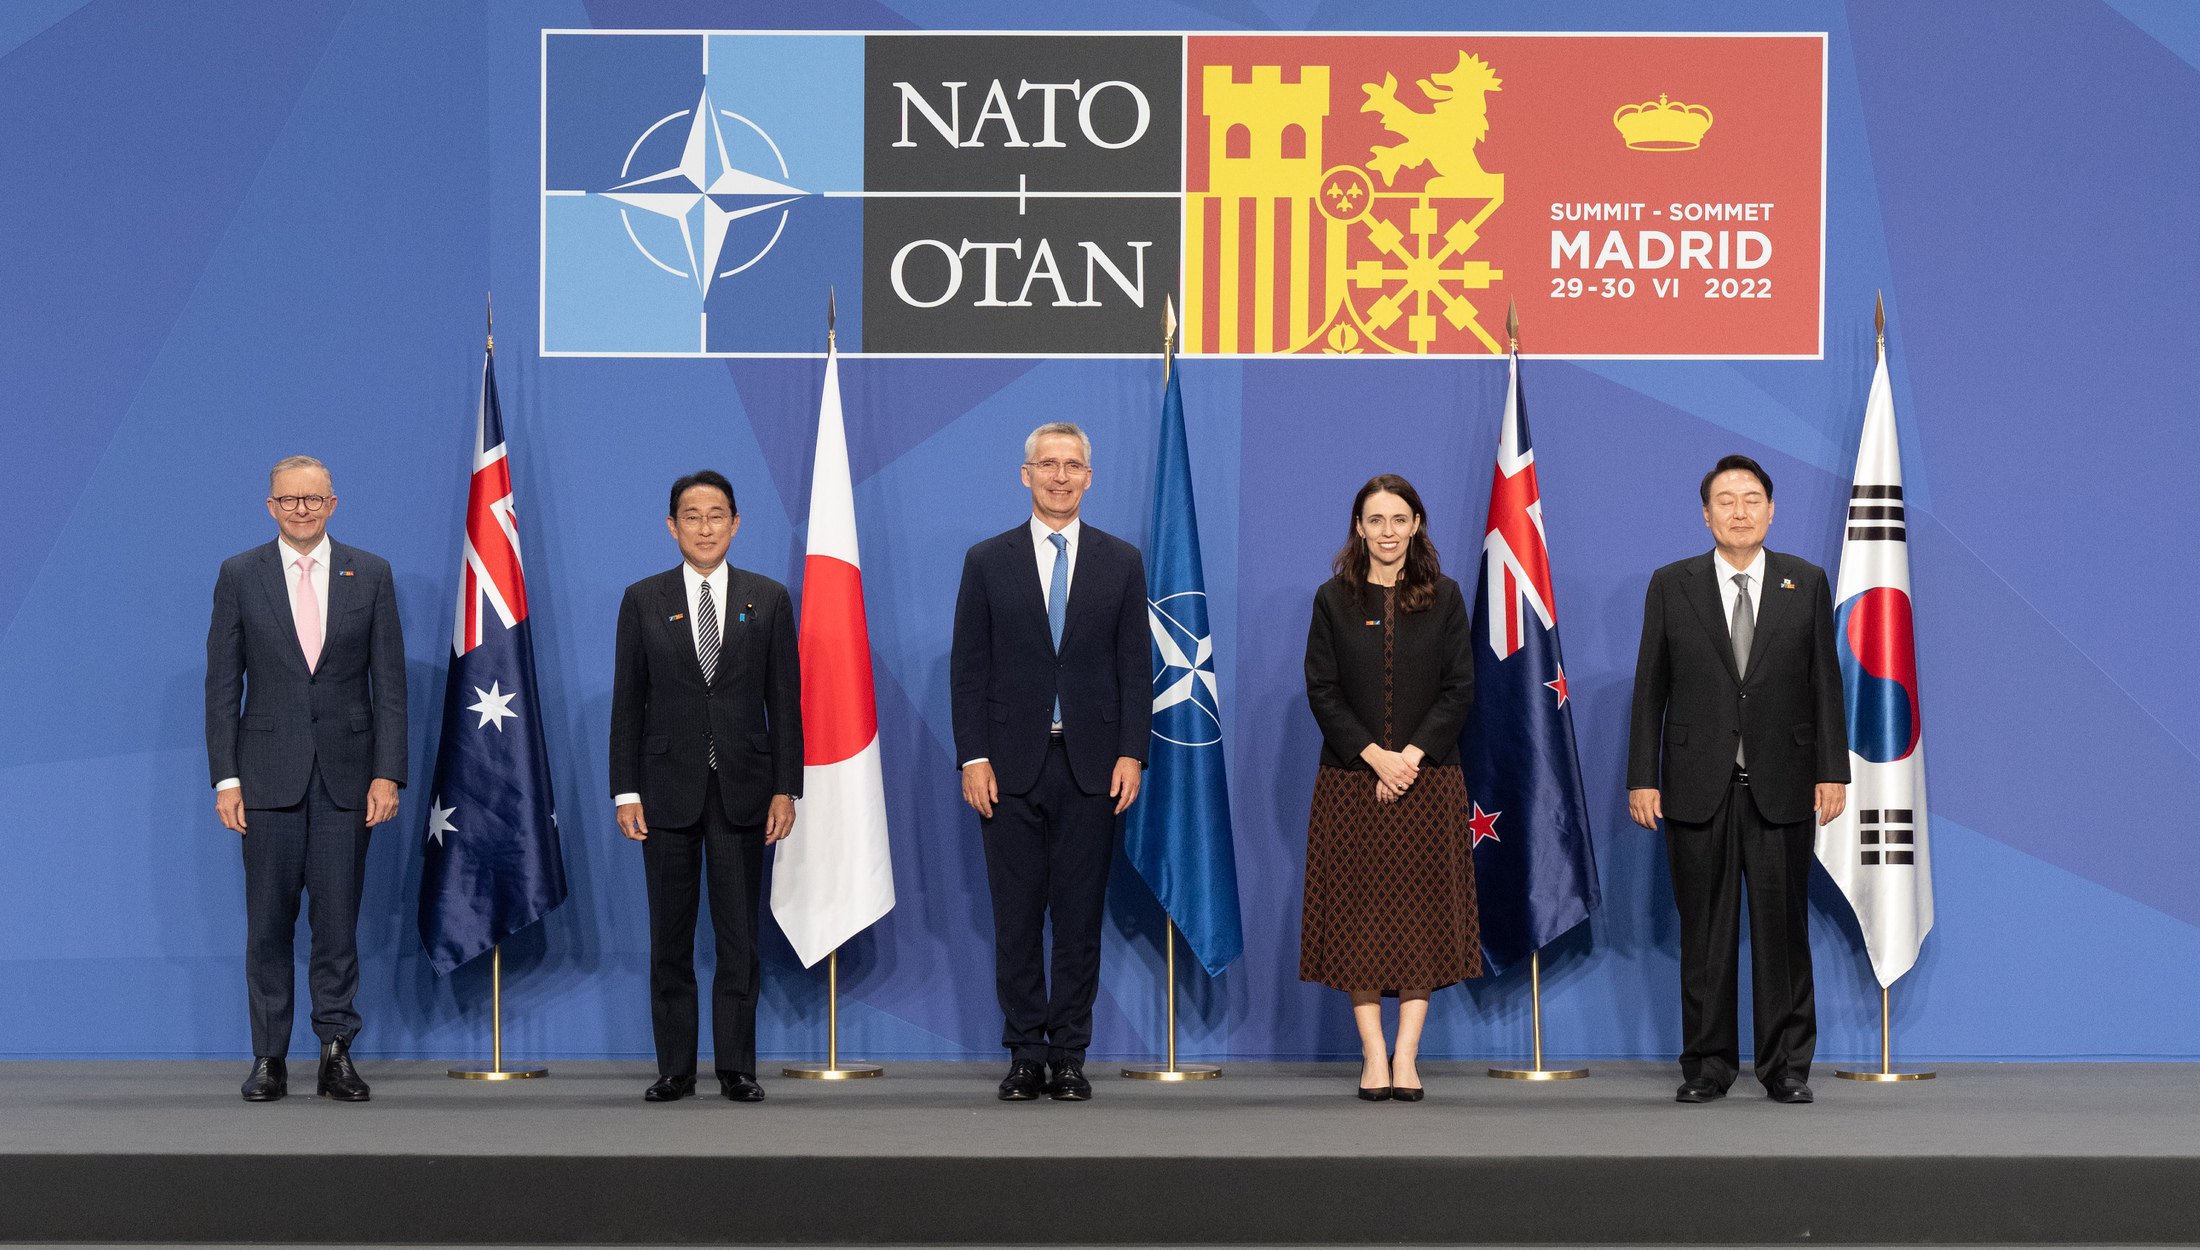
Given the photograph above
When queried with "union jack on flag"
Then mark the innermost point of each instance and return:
(492, 865)
(1534, 867)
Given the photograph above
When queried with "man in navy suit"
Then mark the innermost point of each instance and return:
(1739, 735)
(305, 740)
(1052, 684)
(706, 763)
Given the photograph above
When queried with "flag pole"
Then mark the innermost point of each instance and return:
(1886, 1070)
(832, 1069)
(1535, 957)
(1172, 1070)
(496, 1071)
(1535, 1010)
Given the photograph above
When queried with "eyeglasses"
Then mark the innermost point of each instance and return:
(1058, 468)
(697, 520)
(292, 503)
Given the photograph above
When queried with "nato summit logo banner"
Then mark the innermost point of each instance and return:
(1318, 195)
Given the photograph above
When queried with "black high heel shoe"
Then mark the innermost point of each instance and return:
(1381, 1093)
(1399, 1093)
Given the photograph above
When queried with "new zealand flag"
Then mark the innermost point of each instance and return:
(492, 864)
(1534, 866)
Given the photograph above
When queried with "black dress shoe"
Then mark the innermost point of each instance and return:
(1789, 1090)
(1025, 1081)
(1399, 1093)
(740, 1087)
(669, 1089)
(1381, 1093)
(1069, 1083)
(269, 1081)
(340, 1080)
(1699, 1089)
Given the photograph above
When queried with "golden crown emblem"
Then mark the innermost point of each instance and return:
(1662, 125)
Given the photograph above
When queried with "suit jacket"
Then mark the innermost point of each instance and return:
(1004, 672)
(662, 709)
(269, 719)
(1432, 674)
(1788, 714)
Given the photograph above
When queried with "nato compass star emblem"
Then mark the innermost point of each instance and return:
(705, 191)
(1186, 709)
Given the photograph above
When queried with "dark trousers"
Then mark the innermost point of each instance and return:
(1710, 862)
(320, 849)
(730, 858)
(1048, 851)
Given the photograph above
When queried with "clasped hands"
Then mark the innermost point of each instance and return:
(1395, 771)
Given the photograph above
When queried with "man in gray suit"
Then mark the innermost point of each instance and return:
(305, 741)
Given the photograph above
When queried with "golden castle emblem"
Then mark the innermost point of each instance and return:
(1341, 259)
(1662, 125)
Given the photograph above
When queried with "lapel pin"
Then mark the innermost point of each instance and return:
(343, 572)
(1376, 622)
(1787, 583)
(677, 616)
(746, 608)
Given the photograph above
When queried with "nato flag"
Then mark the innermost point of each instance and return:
(1534, 867)
(1178, 833)
(492, 864)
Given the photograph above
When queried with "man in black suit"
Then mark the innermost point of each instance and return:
(1053, 690)
(706, 763)
(305, 741)
(1738, 692)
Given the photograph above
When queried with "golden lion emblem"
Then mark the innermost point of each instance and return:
(1444, 137)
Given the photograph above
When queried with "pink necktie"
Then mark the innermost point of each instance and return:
(305, 608)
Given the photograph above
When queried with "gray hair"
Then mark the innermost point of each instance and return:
(1052, 428)
(287, 463)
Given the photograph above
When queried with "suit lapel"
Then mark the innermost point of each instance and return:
(1773, 607)
(1024, 562)
(672, 617)
(278, 598)
(1702, 589)
(732, 655)
(1088, 565)
(343, 593)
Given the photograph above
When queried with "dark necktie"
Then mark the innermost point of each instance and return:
(1742, 628)
(706, 651)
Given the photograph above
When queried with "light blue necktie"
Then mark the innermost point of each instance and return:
(1058, 607)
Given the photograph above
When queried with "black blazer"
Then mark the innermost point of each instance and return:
(1432, 673)
(1004, 673)
(347, 714)
(1788, 714)
(661, 709)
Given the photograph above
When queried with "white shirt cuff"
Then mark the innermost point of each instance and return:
(621, 800)
(227, 783)
(983, 759)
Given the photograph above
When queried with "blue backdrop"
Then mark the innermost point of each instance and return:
(234, 232)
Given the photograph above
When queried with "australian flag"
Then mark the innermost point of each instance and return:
(1533, 863)
(1178, 833)
(492, 864)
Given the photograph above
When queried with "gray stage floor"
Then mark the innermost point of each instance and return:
(1256, 1110)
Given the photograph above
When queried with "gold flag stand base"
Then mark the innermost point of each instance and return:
(1886, 1070)
(1535, 1002)
(496, 1071)
(832, 1069)
(1172, 1070)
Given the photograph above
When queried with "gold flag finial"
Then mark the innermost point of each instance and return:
(1168, 335)
(1879, 319)
(489, 305)
(1512, 321)
(832, 315)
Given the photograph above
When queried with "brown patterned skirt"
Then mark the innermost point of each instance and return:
(1389, 886)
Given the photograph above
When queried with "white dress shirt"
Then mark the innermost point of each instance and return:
(694, 581)
(1727, 588)
(320, 575)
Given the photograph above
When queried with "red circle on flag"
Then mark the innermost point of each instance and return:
(839, 710)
